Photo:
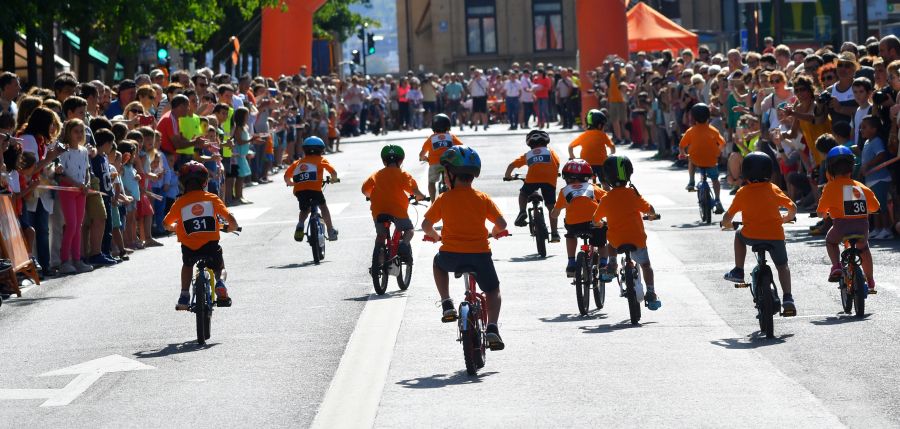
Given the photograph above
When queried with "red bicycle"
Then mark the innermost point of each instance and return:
(386, 261)
(472, 317)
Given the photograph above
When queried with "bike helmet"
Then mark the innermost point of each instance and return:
(617, 170)
(595, 119)
(461, 160)
(193, 171)
(313, 146)
(577, 169)
(700, 112)
(537, 138)
(839, 156)
(757, 167)
(440, 123)
(392, 153)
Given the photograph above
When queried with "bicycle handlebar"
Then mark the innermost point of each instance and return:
(514, 177)
(499, 235)
(656, 216)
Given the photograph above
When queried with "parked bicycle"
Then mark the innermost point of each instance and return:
(537, 225)
(762, 288)
(386, 260)
(203, 297)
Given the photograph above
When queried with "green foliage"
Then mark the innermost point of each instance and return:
(334, 18)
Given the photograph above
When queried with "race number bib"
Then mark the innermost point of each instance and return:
(441, 141)
(854, 201)
(540, 155)
(198, 217)
(578, 190)
(305, 173)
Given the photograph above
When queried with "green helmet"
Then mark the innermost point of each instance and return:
(392, 153)
(595, 119)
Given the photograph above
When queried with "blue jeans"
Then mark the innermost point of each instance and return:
(39, 219)
(106, 244)
(159, 210)
(527, 111)
(543, 112)
(512, 111)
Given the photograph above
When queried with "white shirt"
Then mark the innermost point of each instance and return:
(75, 164)
(526, 84)
(861, 112)
(512, 88)
(478, 87)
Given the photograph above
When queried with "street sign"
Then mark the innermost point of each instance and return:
(745, 40)
(86, 373)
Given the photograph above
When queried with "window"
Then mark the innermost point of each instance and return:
(481, 26)
(548, 31)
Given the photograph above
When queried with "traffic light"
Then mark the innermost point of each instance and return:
(371, 44)
(356, 56)
(162, 55)
(361, 33)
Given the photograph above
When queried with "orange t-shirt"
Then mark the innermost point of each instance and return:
(306, 173)
(623, 207)
(389, 190)
(760, 203)
(437, 144)
(270, 146)
(704, 144)
(195, 217)
(845, 198)
(613, 93)
(543, 165)
(332, 128)
(580, 201)
(593, 146)
(463, 211)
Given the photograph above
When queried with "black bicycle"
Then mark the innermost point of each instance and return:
(852, 283)
(203, 297)
(316, 229)
(763, 289)
(537, 225)
(629, 280)
(705, 198)
(587, 276)
(386, 261)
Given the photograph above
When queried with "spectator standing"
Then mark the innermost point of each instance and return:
(126, 94)
(74, 172)
(9, 91)
(478, 88)
(564, 89)
(542, 85)
(527, 98)
(512, 91)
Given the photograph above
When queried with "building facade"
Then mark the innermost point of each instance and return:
(451, 35)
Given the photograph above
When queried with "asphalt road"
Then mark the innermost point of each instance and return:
(309, 345)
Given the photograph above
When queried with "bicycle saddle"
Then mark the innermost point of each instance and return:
(853, 238)
(535, 197)
(464, 269)
(384, 218)
(626, 248)
(762, 247)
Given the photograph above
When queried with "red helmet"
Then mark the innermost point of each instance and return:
(193, 170)
(577, 169)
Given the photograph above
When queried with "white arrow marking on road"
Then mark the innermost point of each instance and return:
(86, 374)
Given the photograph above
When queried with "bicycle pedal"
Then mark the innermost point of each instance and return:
(449, 319)
(741, 285)
(226, 303)
(873, 292)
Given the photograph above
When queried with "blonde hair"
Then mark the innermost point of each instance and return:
(67, 128)
(133, 105)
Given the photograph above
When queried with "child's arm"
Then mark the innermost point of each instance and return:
(428, 229)
(878, 159)
(559, 206)
(327, 166)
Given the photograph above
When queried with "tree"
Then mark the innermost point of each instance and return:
(336, 19)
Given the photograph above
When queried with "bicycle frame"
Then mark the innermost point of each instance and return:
(473, 297)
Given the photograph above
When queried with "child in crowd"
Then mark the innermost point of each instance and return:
(100, 167)
(760, 201)
(543, 167)
(121, 201)
(334, 137)
(623, 207)
(132, 187)
(579, 199)
(306, 176)
(21, 184)
(464, 237)
(874, 153)
(74, 172)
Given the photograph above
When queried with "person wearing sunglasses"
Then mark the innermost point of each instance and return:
(841, 103)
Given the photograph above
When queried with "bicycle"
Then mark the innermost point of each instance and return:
(441, 185)
(537, 225)
(203, 297)
(852, 283)
(385, 259)
(629, 280)
(315, 228)
(472, 317)
(705, 198)
(768, 302)
(587, 277)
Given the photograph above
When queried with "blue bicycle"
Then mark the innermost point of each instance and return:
(705, 198)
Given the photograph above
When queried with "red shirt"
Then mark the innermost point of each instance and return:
(167, 127)
(544, 90)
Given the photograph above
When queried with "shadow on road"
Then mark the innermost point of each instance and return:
(438, 381)
(24, 302)
(839, 320)
(174, 349)
(612, 327)
(696, 225)
(595, 314)
(529, 258)
(295, 265)
(374, 297)
(752, 341)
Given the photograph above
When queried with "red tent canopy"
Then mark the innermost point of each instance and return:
(649, 30)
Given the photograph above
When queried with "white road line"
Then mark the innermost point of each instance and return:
(659, 200)
(337, 208)
(245, 213)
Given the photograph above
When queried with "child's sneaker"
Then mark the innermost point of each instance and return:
(82, 267)
(184, 301)
(607, 275)
(554, 237)
(570, 268)
(788, 307)
(651, 300)
(450, 314)
(332, 234)
(835, 275)
(719, 208)
(884, 234)
(299, 233)
(690, 187)
(736, 275)
(492, 336)
(521, 220)
(67, 268)
(222, 298)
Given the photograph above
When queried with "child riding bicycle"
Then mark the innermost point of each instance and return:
(623, 207)
(703, 144)
(434, 147)
(543, 167)
(580, 199)
(593, 143)
(465, 238)
(760, 202)
(388, 190)
(194, 218)
(849, 204)
(306, 176)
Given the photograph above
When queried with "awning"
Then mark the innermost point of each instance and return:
(95, 54)
(649, 30)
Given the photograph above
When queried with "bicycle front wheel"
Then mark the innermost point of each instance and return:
(582, 284)
(404, 278)
(846, 297)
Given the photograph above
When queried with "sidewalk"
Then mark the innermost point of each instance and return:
(492, 131)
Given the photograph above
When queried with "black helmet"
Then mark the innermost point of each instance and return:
(617, 170)
(537, 138)
(595, 119)
(757, 167)
(700, 112)
(440, 123)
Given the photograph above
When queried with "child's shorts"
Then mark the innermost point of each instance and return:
(400, 224)
(308, 198)
(779, 250)
(598, 235)
(711, 172)
(94, 208)
(480, 263)
(211, 251)
(640, 256)
(841, 228)
(115, 217)
(434, 172)
(548, 191)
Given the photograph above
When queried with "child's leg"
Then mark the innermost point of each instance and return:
(523, 199)
(740, 252)
(67, 205)
(326, 216)
(494, 303)
(716, 187)
(833, 253)
(784, 277)
(229, 189)
(442, 282)
(571, 243)
(866, 256)
(118, 239)
(691, 173)
(76, 226)
(186, 272)
(239, 188)
(647, 270)
(612, 266)
(303, 215)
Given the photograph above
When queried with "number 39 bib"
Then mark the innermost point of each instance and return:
(198, 217)
(305, 173)
(854, 201)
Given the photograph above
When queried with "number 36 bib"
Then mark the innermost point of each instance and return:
(854, 201)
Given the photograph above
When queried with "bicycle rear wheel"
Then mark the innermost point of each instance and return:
(634, 305)
(765, 303)
(201, 308)
(599, 288)
(705, 205)
(314, 241)
(469, 335)
(582, 284)
(379, 274)
(859, 293)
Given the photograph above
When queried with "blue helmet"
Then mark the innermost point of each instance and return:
(836, 156)
(461, 160)
(839, 151)
(313, 143)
